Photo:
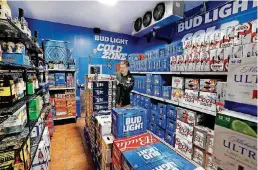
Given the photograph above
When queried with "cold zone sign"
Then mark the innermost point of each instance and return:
(111, 47)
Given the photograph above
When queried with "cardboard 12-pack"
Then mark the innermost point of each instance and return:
(130, 143)
(128, 121)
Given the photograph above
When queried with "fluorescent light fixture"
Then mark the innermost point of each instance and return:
(108, 2)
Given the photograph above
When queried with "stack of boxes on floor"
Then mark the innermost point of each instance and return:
(100, 99)
(115, 137)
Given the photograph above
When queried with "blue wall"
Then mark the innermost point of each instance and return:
(82, 42)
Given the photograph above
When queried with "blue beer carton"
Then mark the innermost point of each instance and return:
(148, 78)
(161, 122)
(172, 162)
(148, 89)
(145, 156)
(166, 92)
(162, 108)
(160, 132)
(142, 101)
(165, 64)
(152, 127)
(170, 137)
(171, 112)
(173, 49)
(162, 52)
(156, 91)
(149, 65)
(154, 106)
(102, 99)
(171, 125)
(153, 115)
(16, 58)
(147, 102)
(179, 48)
(128, 121)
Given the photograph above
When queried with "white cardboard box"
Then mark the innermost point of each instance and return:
(190, 97)
(184, 130)
(184, 147)
(173, 63)
(242, 85)
(199, 156)
(178, 82)
(207, 101)
(238, 51)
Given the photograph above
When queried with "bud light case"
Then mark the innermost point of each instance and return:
(171, 125)
(129, 121)
(144, 156)
(170, 137)
(160, 132)
(171, 112)
(172, 163)
(121, 146)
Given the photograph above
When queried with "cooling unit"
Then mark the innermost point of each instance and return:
(163, 13)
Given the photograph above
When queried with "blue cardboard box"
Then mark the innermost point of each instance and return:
(172, 162)
(16, 58)
(153, 115)
(171, 125)
(145, 156)
(154, 106)
(179, 48)
(171, 112)
(156, 91)
(147, 103)
(161, 122)
(148, 78)
(170, 137)
(160, 132)
(128, 121)
(162, 108)
(174, 49)
(152, 127)
(166, 92)
(165, 64)
(149, 89)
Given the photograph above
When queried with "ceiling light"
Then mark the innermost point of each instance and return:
(108, 2)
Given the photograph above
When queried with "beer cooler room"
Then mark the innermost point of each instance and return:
(128, 85)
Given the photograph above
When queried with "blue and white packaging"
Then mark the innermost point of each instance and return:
(128, 121)
(171, 112)
(152, 127)
(153, 115)
(148, 78)
(179, 48)
(166, 92)
(170, 137)
(172, 163)
(165, 64)
(171, 125)
(173, 49)
(147, 103)
(162, 108)
(145, 156)
(161, 121)
(160, 132)
(156, 91)
(149, 89)
(16, 58)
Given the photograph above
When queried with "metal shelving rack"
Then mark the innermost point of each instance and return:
(10, 32)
